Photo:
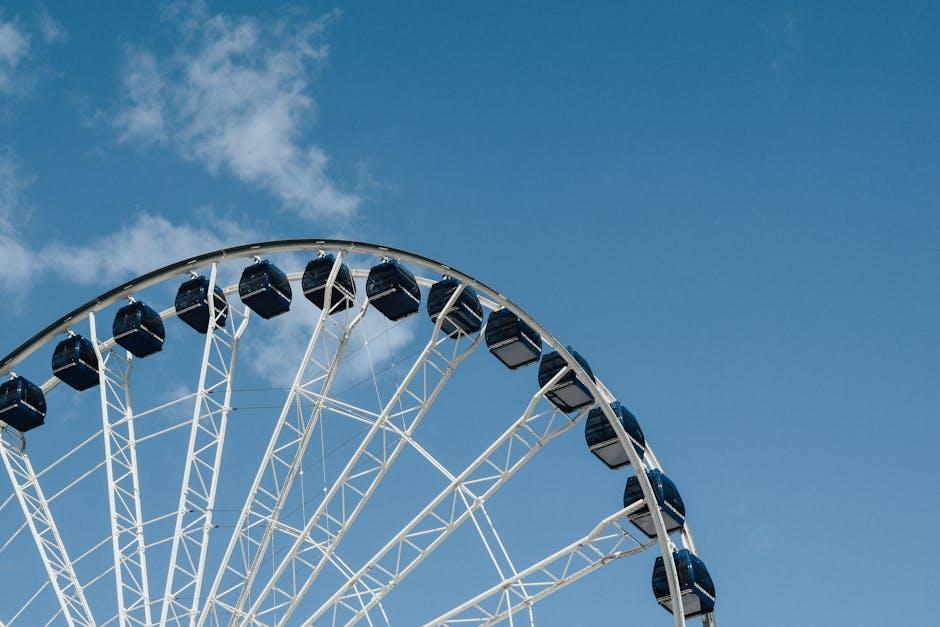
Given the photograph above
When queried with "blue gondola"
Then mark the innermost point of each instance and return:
(602, 440)
(265, 289)
(192, 304)
(139, 329)
(22, 404)
(695, 584)
(393, 290)
(466, 315)
(511, 340)
(343, 294)
(75, 363)
(667, 496)
(569, 393)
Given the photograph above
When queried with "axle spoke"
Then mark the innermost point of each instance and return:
(203, 459)
(120, 450)
(282, 460)
(59, 567)
(608, 541)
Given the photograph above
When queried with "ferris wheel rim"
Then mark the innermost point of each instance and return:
(596, 388)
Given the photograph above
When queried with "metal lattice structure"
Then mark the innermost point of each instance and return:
(204, 455)
(290, 483)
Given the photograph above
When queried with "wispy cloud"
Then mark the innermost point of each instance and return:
(18, 74)
(149, 241)
(760, 539)
(14, 256)
(146, 242)
(235, 96)
(14, 49)
(786, 39)
(51, 29)
(276, 347)
(19, 69)
(142, 120)
(12, 185)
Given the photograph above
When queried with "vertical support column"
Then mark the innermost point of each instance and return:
(186, 567)
(120, 450)
(55, 558)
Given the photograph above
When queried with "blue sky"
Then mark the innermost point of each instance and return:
(731, 211)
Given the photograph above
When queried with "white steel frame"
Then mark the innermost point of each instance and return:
(203, 459)
(609, 540)
(232, 588)
(282, 460)
(59, 567)
(457, 502)
(120, 451)
(353, 486)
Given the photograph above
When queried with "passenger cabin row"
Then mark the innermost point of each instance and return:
(570, 394)
(263, 287)
(695, 584)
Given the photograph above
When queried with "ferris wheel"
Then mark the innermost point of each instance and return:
(259, 461)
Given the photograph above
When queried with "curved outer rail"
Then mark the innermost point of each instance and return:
(600, 393)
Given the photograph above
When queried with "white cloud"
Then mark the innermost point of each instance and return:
(12, 185)
(50, 28)
(142, 120)
(276, 347)
(377, 342)
(235, 96)
(15, 262)
(16, 76)
(14, 48)
(148, 242)
(14, 256)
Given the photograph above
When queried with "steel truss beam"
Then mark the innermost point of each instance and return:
(120, 451)
(203, 458)
(281, 463)
(335, 560)
(363, 473)
(59, 567)
(500, 556)
(608, 541)
(448, 510)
